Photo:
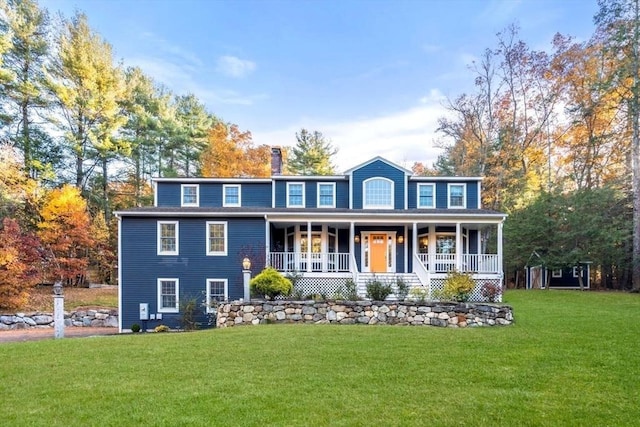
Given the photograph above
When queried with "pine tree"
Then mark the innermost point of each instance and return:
(311, 155)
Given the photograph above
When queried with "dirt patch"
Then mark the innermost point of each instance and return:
(36, 334)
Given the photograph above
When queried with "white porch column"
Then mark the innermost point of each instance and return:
(500, 249)
(309, 246)
(458, 246)
(267, 241)
(416, 244)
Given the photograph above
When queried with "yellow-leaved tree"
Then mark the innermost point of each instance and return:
(66, 232)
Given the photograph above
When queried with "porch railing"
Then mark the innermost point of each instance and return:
(473, 263)
(333, 262)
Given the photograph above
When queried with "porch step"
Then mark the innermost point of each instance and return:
(410, 279)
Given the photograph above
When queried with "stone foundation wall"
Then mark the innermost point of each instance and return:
(442, 314)
(80, 318)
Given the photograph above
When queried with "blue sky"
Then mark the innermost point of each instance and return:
(371, 75)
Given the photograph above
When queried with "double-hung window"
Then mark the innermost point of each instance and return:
(168, 237)
(457, 196)
(216, 238)
(295, 195)
(426, 196)
(217, 291)
(326, 195)
(190, 194)
(231, 195)
(168, 295)
(378, 193)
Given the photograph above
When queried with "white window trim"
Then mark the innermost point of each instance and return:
(364, 193)
(224, 195)
(464, 195)
(159, 240)
(303, 195)
(333, 203)
(226, 239)
(556, 273)
(226, 292)
(418, 196)
(175, 309)
(182, 187)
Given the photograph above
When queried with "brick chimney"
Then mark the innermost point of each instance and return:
(276, 161)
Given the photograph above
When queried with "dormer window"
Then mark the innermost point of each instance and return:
(378, 193)
(295, 195)
(426, 196)
(190, 194)
(231, 195)
(457, 197)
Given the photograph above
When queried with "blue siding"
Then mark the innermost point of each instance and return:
(311, 194)
(381, 169)
(412, 192)
(472, 195)
(281, 194)
(256, 195)
(211, 195)
(342, 194)
(168, 194)
(141, 267)
(442, 195)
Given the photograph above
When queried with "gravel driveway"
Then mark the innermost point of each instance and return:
(36, 334)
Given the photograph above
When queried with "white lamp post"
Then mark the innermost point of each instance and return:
(246, 276)
(58, 310)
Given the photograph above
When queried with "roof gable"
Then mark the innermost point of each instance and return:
(378, 159)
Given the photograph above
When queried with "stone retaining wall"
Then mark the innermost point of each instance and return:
(92, 318)
(456, 315)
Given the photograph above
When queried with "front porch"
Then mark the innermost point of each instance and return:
(325, 257)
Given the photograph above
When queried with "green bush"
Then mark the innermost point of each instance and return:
(271, 284)
(378, 291)
(351, 290)
(135, 328)
(402, 289)
(418, 294)
(189, 310)
(458, 286)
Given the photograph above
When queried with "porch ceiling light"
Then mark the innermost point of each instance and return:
(401, 239)
(357, 238)
(246, 264)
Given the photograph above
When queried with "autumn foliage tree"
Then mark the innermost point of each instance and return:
(231, 153)
(19, 264)
(65, 231)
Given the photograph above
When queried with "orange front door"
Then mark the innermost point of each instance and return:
(378, 253)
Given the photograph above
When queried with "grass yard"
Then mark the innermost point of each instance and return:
(570, 359)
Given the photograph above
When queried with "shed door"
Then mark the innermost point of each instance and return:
(378, 253)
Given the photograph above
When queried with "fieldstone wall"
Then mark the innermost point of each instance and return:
(81, 318)
(442, 314)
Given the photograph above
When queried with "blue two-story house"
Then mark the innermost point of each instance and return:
(375, 219)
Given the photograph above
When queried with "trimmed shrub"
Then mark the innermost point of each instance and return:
(378, 291)
(162, 328)
(271, 284)
(135, 328)
(402, 289)
(458, 286)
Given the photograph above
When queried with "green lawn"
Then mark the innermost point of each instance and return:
(570, 359)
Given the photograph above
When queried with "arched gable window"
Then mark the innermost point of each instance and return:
(378, 193)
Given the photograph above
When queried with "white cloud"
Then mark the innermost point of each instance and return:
(403, 137)
(233, 66)
(180, 79)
